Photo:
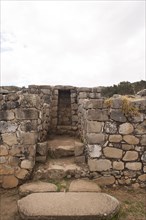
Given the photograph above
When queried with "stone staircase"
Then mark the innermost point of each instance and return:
(65, 159)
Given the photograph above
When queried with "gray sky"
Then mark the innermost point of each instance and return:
(81, 43)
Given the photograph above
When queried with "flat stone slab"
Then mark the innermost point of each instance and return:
(84, 186)
(36, 187)
(68, 206)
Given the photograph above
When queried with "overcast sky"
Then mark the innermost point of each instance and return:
(80, 43)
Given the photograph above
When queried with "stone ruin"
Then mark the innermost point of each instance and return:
(114, 140)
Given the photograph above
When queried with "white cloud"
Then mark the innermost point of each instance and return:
(79, 43)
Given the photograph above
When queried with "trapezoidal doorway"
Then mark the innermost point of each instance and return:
(64, 107)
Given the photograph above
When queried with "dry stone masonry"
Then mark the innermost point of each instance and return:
(113, 132)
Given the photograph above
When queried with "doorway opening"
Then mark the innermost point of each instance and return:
(64, 107)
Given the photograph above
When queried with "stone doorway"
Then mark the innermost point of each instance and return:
(64, 108)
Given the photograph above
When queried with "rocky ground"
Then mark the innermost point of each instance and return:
(133, 202)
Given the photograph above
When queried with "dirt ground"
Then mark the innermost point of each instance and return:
(133, 203)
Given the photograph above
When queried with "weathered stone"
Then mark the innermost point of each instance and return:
(141, 128)
(26, 113)
(143, 140)
(134, 166)
(29, 125)
(111, 152)
(126, 128)
(6, 115)
(118, 115)
(3, 159)
(36, 187)
(84, 186)
(21, 173)
(93, 138)
(94, 150)
(130, 139)
(130, 156)
(97, 115)
(99, 165)
(127, 147)
(9, 182)
(69, 206)
(115, 138)
(105, 180)
(28, 137)
(82, 95)
(110, 127)
(79, 148)
(142, 177)
(7, 127)
(42, 148)
(143, 158)
(6, 169)
(13, 161)
(80, 159)
(118, 165)
(135, 185)
(94, 126)
(98, 103)
(9, 138)
(27, 164)
(117, 103)
(3, 150)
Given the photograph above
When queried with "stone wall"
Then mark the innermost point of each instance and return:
(115, 139)
(24, 121)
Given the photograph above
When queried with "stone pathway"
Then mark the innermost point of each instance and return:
(68, 206)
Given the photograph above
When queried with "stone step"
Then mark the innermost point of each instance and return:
(59, 169)
(68, 206)
(64, 146)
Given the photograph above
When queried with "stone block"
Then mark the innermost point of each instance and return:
(79, 148)
(127, 147)
(94, 126)
(117, 103)
(3, 150)
(9, 138)
(93, 138)
(7, 127)
(27, 164)
(29, 138)
(9, 182)
(97, 115)
(143, 140)
(82, 95)
(115, 138)
(142, 177)
(80, 159)
(126, 128)
(130, 156)
(75, 118)
(105, 180)
(3, 159)
(99, 165)
(26, 113)
(111, 152)
(29, 125)
(21, 173)
(130, 139)
(134, 166)
(6, 115)
(94, 151)
(110, 127)
(141, 128)
(42, 148)
(117, 115)
(143, 158)
(89, 104)
(6, 169)
(13, 161)
(118, 165)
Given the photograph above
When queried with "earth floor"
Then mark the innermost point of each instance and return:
(133, 203)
